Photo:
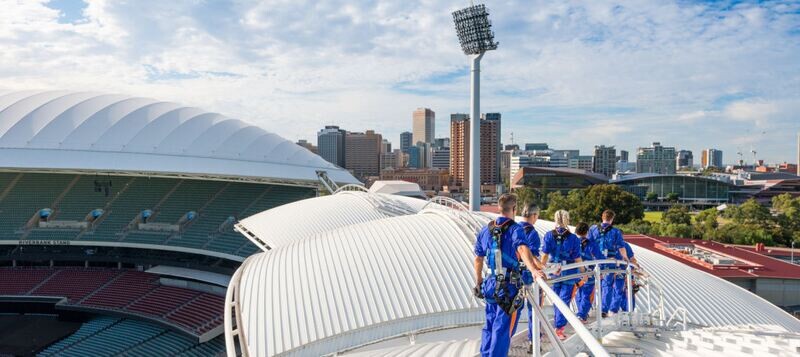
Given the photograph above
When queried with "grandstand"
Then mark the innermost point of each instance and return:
(120, 212)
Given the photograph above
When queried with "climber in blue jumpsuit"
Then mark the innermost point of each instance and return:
(504, 239)
(562, 247)
(619, 300)
(530, 214)
(611, 244)
(585, 288)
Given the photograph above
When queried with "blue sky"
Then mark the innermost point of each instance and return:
(574, 74)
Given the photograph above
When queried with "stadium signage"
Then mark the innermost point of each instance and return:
(44, 242)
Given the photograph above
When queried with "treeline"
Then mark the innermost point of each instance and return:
(748, 223)
(586, 205)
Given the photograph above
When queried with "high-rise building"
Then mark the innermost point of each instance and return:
(605, 160)
(511, 147)
(623, 155)
(415, 157)
(386, 146)
(459, 149)
(490, 148)
(711, 158)
(424, 125)
(406, 140)
(392, 160)
(798, 153)
(684, 159)
(304, 143)
(441, 143)
(440, 158)
(330, 143)
(363, 153)
(656, 159)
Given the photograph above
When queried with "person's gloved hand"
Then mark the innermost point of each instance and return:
(477, 291)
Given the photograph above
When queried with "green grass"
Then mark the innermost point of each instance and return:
(653, 217)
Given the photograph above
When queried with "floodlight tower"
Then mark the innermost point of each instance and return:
(476, 37)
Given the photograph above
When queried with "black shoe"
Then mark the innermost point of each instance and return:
(604, 315)
(530, 348)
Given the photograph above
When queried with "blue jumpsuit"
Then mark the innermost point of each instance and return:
(500, 326)
(563, 251)
(619, 301)
(609, 242)
(585, 295)
(533, 243)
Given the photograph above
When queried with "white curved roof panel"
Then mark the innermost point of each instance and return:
(357, 284)
(321, 214)
(357, 277)
(106, 132)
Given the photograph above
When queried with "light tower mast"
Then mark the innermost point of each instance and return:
(476, 37)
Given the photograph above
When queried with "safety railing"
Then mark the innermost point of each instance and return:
(599, 270)
(351, 187)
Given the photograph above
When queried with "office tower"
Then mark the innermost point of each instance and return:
(362, 153)
(656, 159)
(520, 159)
(623, 155)
(511, 147)
(490, 148)
(712, 158)
(330, 143)
(406, 140)
(605, 160)
(386, 146)
(582, 162)
(560, 158)
(424, 126)
(684, 159)
(440, 158)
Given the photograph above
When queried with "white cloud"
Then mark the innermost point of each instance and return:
(645, 71)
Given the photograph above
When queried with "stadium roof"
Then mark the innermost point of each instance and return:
(62, 130)
(357, 280)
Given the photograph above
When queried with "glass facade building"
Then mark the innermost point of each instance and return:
(690, 189)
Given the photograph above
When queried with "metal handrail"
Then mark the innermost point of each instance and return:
(581, 331)
(675, 312)
(351, 187)
(550, 330)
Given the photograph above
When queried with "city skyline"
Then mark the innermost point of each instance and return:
(690, 75)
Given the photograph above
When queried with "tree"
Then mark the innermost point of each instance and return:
(706, 224)
(598, 198)
(787, 209)
(673, 197)
(676, 230)
(639, 226)
(556, 201)
(651, 197)
(526, 195)
(677, 214)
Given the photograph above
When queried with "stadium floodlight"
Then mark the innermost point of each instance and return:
(476, 37)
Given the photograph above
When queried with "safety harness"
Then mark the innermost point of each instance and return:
(504, 279)
(607, 244)
(560, 237)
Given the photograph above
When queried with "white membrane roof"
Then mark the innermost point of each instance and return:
(358, 278)
(108, 132)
